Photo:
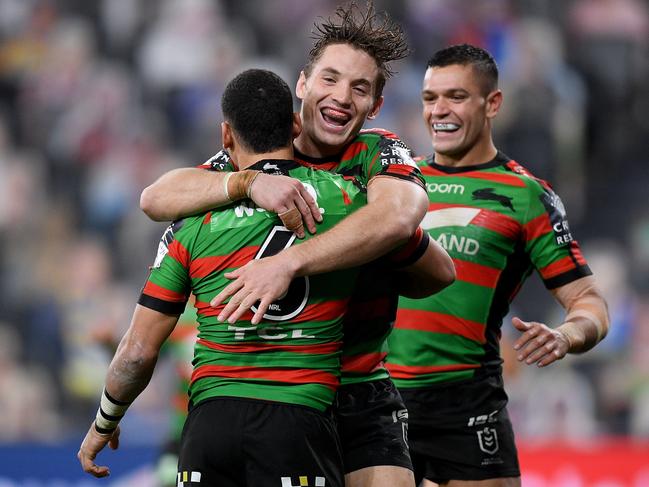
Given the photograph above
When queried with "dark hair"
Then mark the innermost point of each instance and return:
(379, 36)
(258, 105)
(482, 62)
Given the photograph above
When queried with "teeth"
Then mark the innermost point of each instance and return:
(445, 127)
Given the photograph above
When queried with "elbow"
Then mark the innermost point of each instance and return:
(148, 204)
(138, 358)
(447, 274)
(399, 227)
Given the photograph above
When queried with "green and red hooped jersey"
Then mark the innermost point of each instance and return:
(372, 310)
(293, 355)
(498, 223)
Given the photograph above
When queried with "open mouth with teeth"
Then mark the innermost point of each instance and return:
(445, 127)
(335, 117)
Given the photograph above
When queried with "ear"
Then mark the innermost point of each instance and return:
(227, 138)
(374, 112)
(297, 125)
(494, 101)
(300, 87)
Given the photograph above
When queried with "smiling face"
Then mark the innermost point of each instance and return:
(458, 113)
(337, 97)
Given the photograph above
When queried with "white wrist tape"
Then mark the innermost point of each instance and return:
(110, 413)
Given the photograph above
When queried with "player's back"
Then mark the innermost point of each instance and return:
(293, 355)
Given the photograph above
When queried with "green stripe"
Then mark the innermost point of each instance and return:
(432, 348)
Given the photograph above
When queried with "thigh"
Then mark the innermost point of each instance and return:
(372, 422)
(461, 432)
(380, 476)
(210, 447)
(292, 446)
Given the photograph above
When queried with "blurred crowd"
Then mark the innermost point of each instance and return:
(98, 99)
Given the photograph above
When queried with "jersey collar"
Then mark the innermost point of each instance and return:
(499, 160)
(274, 166)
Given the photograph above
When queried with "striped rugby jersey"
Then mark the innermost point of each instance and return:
(293, 356)
(372, 310)
(498, 222)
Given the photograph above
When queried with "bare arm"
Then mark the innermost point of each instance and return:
(431, 273)
(393, 212)
(585, 324)
(187, 191)
(128, 374)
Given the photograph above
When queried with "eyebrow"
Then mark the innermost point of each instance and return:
(359, 81)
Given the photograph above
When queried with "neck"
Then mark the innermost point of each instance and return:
(309, 148)
(477, 154)
(244, 160)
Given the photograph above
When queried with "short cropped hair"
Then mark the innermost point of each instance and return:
(377, 35)
(258, 105)
(465, 54)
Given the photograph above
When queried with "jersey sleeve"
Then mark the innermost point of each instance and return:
(167, 287)
(390, 156)
(554, 252)
(220, 161)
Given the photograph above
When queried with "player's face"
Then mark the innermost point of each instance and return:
(337, 97)
(457, 111)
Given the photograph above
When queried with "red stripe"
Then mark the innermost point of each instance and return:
(378, 131)
(364, 363)
(152, 289)
(264, 347)
(576, 252)
(412, 371)
(325, 166)
(537, 227)
(430, 321)
(204, 309)
(498, 223)
(353, 150)
(473, 273)
(290, 376)
(496, 178)
(559, 267)
(426, 170)
(204, 266)
(179, 253)
(208, 218)
(329, 310)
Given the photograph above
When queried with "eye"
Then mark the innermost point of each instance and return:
(328, 79)
(361, 90)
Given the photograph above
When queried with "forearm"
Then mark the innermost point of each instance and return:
(391, 216)
(586, 322)
(187, 191)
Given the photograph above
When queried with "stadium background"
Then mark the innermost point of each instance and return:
(97, 99)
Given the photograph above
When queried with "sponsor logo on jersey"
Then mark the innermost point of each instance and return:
(219, 161)
(558, 218)
(482, 419)
(445, 188)
(187, 479)
(488, 194)
(461, 244)
(267, 332)
(303, 481)
(165, 241)
(394, 151)
(488, 440)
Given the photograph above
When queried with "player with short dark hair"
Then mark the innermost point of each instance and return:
(340, 88)
(499, 223)
(260, 395)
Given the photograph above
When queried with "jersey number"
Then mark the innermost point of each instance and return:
(294, 300)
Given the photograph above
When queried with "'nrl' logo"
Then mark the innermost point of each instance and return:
(488, 440)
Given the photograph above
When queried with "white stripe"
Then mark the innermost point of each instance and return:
(196, 477)
(449, 217)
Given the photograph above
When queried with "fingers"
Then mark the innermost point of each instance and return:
(312, 204)
(520, 325)
(89, 466)
(539, 344)
(261, 311)
(292, 219)
(227, 291)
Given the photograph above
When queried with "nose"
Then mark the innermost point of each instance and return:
(343, 94)
(439, 108)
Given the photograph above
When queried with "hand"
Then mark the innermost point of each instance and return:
(92, 444)
(288, 198)
(539, 343)
(262, 280)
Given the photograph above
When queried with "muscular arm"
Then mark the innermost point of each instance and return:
(128, 374)
(183, 192)
(585, 324)
(393, 212)
(431, 273)
(187, 191)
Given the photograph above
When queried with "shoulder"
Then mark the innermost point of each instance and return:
(218, 162)
(535, 184)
